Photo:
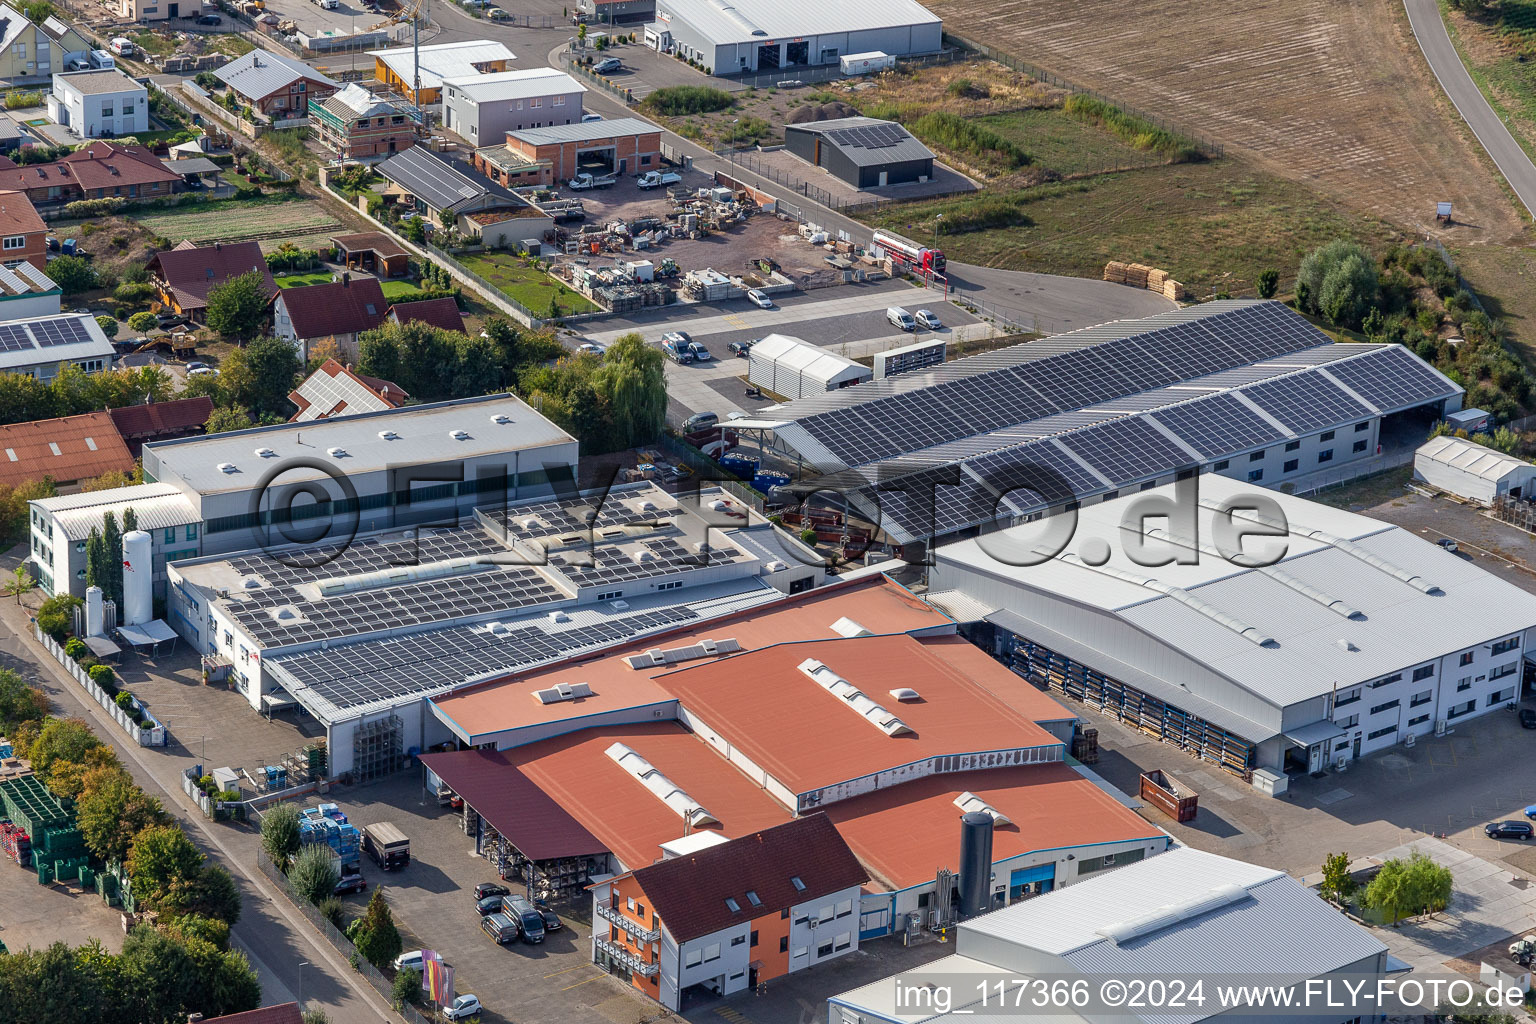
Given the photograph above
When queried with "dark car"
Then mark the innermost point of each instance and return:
(1528, 718)
(741, 348)
(1509, 830)
(168, 319)
(209, 19)
(551, 919)
(485, 889)
(350, 883)
(488, 905)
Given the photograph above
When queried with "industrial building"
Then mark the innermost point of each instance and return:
(731, 38)
(548, 156)
(359, 633)
(61, 525)
(37, 346)
(422, 85)
(1188, 912)
(1352, 635)
(1243, 388)
(861, 151)
(1473, 471)
(796, 369)
(486, 107)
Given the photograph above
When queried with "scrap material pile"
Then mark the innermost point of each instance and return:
(1138, 275)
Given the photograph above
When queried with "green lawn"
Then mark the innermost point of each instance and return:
(300, 280)
(1063, 144)
(395, 291)
(521, 283)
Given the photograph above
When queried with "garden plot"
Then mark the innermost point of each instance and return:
(235, 221)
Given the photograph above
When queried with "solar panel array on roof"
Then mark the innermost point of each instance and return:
(1390, 379)
(1126, 449)
(59, 332)
(1305, 402)
(869, 136)
(1218, 425)
(14, 338)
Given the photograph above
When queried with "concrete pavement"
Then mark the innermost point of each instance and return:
(1512, 161)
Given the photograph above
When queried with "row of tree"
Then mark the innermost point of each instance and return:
(73, 391)
(104, 554)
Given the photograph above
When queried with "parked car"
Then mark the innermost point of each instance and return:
(203, 371)
(1447, 543)
(527, 916)
(350, 883)
(167, 319)
(497, 14)
(656, 179)
(196, 365)
(1527, 718)
(700, 353)
(700, 421)
(590, 347)
(488, 905)
(677, 346)
(607, 67)
(1509, 830)
(485, 889)
(500, 926)
(588, 118)
(741, 348)
(209, 19)
(410, 958)
(926, 318)
(759, 300)
(900, 318)
(462, 1007)
(122, 47)
(551, 919)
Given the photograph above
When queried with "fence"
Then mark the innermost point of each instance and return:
(334, 936)
(820, 196)
(790, 77)
(1354, 471)
(1016, 321)
(624, 96)
(1205, 143)
(154, 736)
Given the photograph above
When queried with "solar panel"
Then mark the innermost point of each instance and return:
(1126, 450)
(1390, 379)
(64, 331)
(14, 338)
(1218, 425)
(1040, 467)
(1305, 401)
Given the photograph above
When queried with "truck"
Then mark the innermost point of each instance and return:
(1169, 795)
(387, 845)
(909, 254)
(584, 181)
(656, 179)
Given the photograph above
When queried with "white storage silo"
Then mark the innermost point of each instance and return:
(93, 611)
(138, 579)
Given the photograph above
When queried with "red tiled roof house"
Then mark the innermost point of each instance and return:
(184, 275)
(340, 310)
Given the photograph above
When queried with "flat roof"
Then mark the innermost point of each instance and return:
(441, 61)
(97, 81)
(422, 436)
(1049, 807)
(742, 21)
(589, 131)
(632, 822)
(817, 739)
(505, 704)
(500, 86)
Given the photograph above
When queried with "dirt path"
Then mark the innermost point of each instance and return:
(1330, 92)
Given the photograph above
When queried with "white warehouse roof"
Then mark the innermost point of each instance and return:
(442, 61)
(808, 360)
(1471, 457)
(502, 86)
(1350, 599)
(743, 21)
(155, 507)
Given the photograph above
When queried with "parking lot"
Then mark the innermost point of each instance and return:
(645, 70)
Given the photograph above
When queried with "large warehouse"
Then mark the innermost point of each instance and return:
(731, 37)
(861, 151)
(1359, 635)
(1244, 388)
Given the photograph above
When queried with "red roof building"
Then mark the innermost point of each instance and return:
(334, 389)
(161, 421)
(340, 310)
(67, 450)
(184, 276)
(732, 915)
(97, 170)
(281, 1013)
(440, 312)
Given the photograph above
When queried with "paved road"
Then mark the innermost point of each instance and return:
(1512, 161)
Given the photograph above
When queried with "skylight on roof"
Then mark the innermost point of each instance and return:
(794, 880)
(730, 902)
(752, 898)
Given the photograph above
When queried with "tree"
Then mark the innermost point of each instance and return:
(72, 274)
(62, 740)
(143, 321)
(633, 380)
(20, 582)
(407, 988)
(211, 893)
(236, 307)
(108, 325)
(37, 11)
(377, 939)
(320, 351)
(24, 398)
(1349, 290)
(1268, 284)
(280, 834)
(226, 418)
(1338, 884)
(316, 1017)
(1414, 886)
(112, 809)
(55, 616)
(313, 873)
(112, 479)
(415, 229)
(161, 862)
(96, 561)
(260, 376)
(20, 701)
(112, 567)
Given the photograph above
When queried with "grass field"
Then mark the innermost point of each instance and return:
(153, 42)
(1500, 65)
(1213, 225)
(237, 220)
(398, 291)
(521, 283)
(1066, 146)
(303, 280)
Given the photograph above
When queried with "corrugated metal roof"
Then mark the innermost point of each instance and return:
(513, 804)
(66, 449)
(501, 86)
(29, 341)
(591, 131)
(442, 61)
(155, 506)
(806, 359)
(1471, 457)
(263, 72)
(722, 21)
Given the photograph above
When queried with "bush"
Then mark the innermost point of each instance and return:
(965, 89)
(16, 99)
(981, 214)
(142, 322)
(677, 100)
(94, 207)
(331, 907)
(407, 987)
(280, 834)
(1135, 131)
(55, 616)
(123, 700)
(75, 648)
(1268, 283)
(1338, 280)
(101, 675)
(808, 535)
(313, 874)
(108, 325)
(955, 133)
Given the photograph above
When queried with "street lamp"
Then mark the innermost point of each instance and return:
(302, 964)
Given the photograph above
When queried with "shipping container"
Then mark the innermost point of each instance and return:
(1169, 795)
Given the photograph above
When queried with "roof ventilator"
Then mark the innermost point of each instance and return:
(562, 692)
(228, 467)
(388, 435)
(672, 655)
(265, 453)
(1301, 587)
(1172, 914)
(459, 435)
(663, 788)
(854, 698)
(846, 627)
(969, 802)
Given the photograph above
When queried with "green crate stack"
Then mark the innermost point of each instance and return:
(47, 819)
(319, 764)
(106, 887)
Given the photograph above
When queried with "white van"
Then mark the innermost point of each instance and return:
(122, 47)
(899, 317)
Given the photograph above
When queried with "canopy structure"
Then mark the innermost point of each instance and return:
(147, 634)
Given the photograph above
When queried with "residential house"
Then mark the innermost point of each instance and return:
(68, 450)
(353, 124)
(447, 194)
(334, 389)
(184, 275)
(162, 421)
(440, 312)
(488, 106)
(276, 86)
(340, 310)
(100, 103)
(64, 44)
(97, 170)
(27, 50)
(279, 1013)
(158, 10)
(727, 915)
(398, 69)
(23, 235)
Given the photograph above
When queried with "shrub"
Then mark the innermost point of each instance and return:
(132, 292)
(16, 99)
(981, 214)
(124, 699)
(808, 535)
(1136, 131)
(313, 874)
(955, 133)
(280, 834)
(142, 322)
(101, 675)
(331, 907)
(965, 89)
(94, 207)
(1268, 283)
(407, 987)
(55, 616)
(75, 648)
(108, 325)
(677, 100)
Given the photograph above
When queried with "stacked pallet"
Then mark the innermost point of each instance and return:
(1114, 271)
(1140, 276)
(1136, 274)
